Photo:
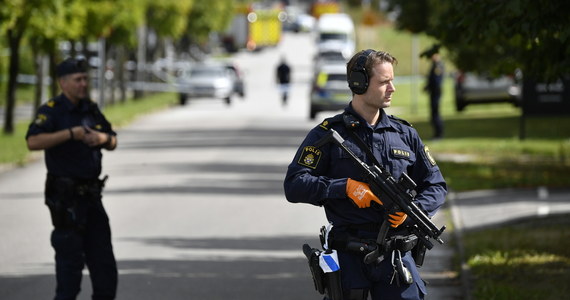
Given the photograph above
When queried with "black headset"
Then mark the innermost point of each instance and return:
(358, 78)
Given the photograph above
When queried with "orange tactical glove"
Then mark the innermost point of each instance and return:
(396, 219)
(360, 193)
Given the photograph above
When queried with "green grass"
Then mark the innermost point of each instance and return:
(15, 151)
(482, 148)
(526, 261)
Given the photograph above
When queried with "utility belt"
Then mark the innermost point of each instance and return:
(74, 186)
(67, 199)
(346, 239)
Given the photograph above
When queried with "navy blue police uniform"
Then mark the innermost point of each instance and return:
(318, 176)
(82, 234)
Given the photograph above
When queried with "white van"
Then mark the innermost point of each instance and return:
(335, 32)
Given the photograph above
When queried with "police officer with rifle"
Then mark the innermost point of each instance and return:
(379, 186)
(72, 131)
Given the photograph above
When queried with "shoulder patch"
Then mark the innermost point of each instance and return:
(429, 157)
(50, 103)
(40, 119)
(401, 121)
(310, 157)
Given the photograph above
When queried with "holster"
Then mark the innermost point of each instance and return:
(317, 273)
(66, 199)
(419, 254)
(328, 284)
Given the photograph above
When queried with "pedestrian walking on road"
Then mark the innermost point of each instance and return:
(324, 175)
(433, 87)
(72, 131)
(284, 79)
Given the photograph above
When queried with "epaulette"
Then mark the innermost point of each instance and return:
(328, 122)
(51, 103)
(401, 121)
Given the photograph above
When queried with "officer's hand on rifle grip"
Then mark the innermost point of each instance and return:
(396, 219)
(360, 193)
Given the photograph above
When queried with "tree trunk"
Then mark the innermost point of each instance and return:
(141, 59)
(38, 61)
(112, 56)
(120, 67)
(14, 39)
(52, 65)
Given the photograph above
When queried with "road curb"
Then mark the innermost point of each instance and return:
(465, 271)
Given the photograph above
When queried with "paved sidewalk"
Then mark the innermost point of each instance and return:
(442, 280)
(481, 209)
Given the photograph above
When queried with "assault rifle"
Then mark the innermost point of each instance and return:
(397, 195)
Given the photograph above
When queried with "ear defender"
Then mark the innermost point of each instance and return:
(358, 78)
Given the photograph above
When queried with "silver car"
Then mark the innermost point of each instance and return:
(206, 81)
(471, 88)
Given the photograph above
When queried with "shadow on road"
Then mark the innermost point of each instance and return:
(209, 278)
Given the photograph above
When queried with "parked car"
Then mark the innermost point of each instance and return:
(472, 88)
(330, 89)
(206, 81)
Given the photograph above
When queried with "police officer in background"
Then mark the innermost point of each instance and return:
(433, 87)
(327, 177)
(72, 131)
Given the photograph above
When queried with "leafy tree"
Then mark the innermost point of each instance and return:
(116, 22)
(14, 20)
(47, 22)
(42, 21)
(209, 16)
(169, 18)
(496, 36)
(59, 20)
